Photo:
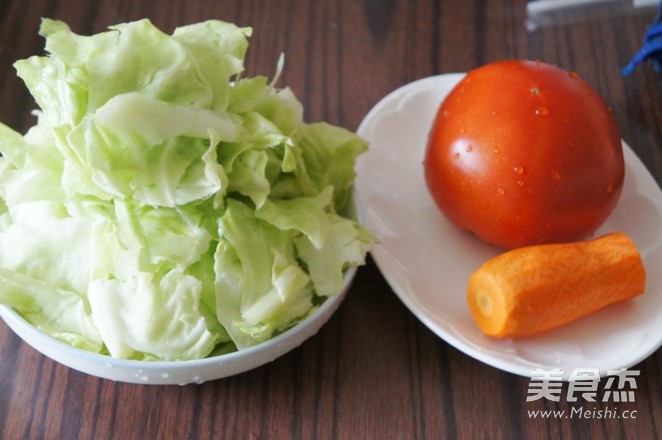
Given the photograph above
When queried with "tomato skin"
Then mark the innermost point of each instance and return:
(522, 153)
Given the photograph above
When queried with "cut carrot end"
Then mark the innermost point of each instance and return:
(534, 289)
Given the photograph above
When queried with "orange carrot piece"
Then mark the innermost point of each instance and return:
(533, 289)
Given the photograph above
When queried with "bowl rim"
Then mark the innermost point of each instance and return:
(21, 326)
(209, 368)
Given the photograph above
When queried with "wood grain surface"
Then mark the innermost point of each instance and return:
(373, 371)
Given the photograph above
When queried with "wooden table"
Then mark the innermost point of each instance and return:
(373, 371)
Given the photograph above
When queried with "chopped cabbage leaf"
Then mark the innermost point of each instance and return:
(164, 206)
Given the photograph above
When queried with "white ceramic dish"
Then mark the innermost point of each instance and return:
(173, 372)
(427, 261)
(180, 372)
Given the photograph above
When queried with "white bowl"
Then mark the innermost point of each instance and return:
(180, 372)
(174, 372)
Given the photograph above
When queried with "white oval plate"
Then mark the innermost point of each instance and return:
(427, 261)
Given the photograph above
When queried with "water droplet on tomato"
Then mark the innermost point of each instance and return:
(469, 148)
(496, 151)
(501, 191)
(535, 91)
(542, 111)
(456, 156)
(518, 169)
(520, 183)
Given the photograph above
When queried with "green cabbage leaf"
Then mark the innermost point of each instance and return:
(164, 206)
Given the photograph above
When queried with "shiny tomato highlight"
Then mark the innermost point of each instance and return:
(522, 153)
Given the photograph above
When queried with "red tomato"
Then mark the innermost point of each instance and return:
(523, 153)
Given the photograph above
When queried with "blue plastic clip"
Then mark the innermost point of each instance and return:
(651, 49)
